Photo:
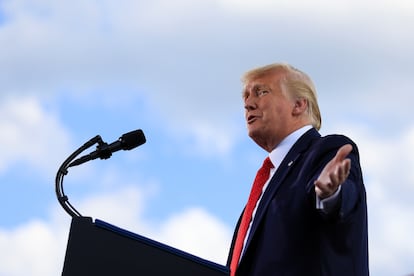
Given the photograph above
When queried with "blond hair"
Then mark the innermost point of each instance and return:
(295, 83)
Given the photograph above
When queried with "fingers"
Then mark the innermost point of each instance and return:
(342, 167)
(319, 192)
(329, 187)
(322, 191)
(343, 170)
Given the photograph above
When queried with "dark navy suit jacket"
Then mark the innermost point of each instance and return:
(289, 236)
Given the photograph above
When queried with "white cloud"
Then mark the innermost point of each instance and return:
(86, 49)
(35, 248)
(196, 231)
(387, 158)
(392, 249)
(123, 207)
(305, 8)
(30, 134)
(186, 57)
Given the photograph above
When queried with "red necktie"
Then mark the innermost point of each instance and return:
(261, 178)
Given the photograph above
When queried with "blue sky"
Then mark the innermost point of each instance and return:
(70, 70)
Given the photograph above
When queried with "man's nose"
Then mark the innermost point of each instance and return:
(250, 103)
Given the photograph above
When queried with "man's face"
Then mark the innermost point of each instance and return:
(268, 111)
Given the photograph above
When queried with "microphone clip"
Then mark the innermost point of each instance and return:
(103, 150)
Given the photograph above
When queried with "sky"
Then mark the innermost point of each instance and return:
(70, 70)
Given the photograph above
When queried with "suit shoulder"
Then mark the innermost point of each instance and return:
(312, 141)
(332, 142)
(336, 139)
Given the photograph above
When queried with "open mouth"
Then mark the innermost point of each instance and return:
(251, 119)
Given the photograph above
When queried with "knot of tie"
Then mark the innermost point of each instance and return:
(265, 169)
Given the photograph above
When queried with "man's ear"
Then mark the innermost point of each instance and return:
(300, 106)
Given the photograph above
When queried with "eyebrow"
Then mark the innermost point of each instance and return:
(260, 87)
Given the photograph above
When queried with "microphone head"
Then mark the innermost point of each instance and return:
(132, 139)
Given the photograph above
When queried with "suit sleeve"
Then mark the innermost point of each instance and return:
(352, 193)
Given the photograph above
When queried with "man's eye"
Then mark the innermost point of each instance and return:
(261, 93)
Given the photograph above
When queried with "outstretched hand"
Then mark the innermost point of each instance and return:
(334, 173)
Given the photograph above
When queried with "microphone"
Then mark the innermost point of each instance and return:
(127, 141)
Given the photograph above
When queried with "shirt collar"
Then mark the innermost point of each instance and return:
(278, 154)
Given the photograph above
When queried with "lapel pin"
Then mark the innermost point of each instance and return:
(290, 163)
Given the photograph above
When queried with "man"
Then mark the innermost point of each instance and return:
(310, 217)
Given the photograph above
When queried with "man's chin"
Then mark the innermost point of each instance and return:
(254, 134)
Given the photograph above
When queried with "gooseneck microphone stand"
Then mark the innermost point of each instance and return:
(63, 170)
(127, 141)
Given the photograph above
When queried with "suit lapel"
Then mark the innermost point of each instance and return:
(287, 164)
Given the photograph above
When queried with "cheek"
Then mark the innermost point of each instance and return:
(273, 114)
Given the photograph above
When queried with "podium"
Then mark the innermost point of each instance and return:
(99, 248)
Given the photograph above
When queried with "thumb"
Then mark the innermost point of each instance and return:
(343, 152)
